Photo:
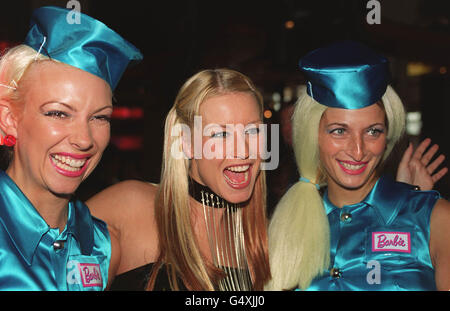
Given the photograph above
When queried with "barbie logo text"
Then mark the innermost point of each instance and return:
(90, 274)
(230, 141)
(391, 241)
(85, 274)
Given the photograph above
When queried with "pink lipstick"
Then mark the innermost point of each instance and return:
(70, 165)
(352, 167)
(238, 176)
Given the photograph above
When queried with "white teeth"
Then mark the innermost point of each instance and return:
(352, 167)
(238, 169)
(67, 163)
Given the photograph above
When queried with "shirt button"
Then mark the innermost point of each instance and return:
(58, 245)
(346, 217)
(335, 273)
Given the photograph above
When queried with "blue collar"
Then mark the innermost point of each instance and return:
(26, 227)
(386, 197)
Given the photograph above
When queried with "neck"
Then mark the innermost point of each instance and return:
(201, 197)
(341, 196)
(51, 207)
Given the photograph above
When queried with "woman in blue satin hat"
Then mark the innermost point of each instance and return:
(345, 225)
(55, 106)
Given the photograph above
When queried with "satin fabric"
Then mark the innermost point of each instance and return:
(28, 259)
(345, 75)
(390, 207)
(89, 45)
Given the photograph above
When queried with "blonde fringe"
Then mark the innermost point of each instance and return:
(14, 64)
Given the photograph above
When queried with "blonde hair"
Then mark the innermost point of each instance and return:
(13, 65)
(299, 234)
(178, 248)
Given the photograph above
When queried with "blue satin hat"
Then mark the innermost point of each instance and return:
(345, 75)
(89, 45)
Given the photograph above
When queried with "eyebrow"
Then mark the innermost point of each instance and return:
(338, 124)
(103, 108)
(251, 122)
(382, 124)
(72, 108)
(59, 103)
(346, 125)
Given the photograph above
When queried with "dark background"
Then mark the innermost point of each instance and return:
(179, 38)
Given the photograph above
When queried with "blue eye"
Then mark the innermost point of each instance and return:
(373, 131)
(219, 134)
(252, 130)
(338, 131)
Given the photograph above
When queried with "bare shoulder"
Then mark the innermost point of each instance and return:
(441, 211)
(133, 191)
(123, 199)
(439, 227)
(128, 209)
(439, 245)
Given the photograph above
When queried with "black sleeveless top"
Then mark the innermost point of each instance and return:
(137, 279)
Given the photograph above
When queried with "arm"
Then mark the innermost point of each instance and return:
(440, 243)
(416, 169)
(127, 208)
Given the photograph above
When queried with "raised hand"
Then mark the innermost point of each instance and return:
(415, 167)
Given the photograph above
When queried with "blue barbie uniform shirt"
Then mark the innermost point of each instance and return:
(34, 256)
(380, 243)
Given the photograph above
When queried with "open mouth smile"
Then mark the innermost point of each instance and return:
(238, 176)
(70, 165)
(352, 168)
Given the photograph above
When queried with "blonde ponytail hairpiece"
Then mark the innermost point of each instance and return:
(306, 180)
(299, 234)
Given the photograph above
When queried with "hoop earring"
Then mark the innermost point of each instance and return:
(9, 141)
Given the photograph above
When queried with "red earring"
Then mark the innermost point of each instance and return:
(9, 140)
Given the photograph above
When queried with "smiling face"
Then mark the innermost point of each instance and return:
(351, 145)
(230, 161)
(62, 127)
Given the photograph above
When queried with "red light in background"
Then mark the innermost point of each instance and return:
(128, 142)
(127, 113)
(6, 45)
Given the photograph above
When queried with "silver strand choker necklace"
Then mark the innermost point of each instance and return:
(225, 232)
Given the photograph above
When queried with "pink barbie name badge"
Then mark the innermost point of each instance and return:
(84, 273)
(387, 241)
(90, 274)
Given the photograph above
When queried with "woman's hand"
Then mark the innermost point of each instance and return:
(415, 167)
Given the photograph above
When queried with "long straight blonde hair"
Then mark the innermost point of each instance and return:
(177, 242)
(299, 234)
